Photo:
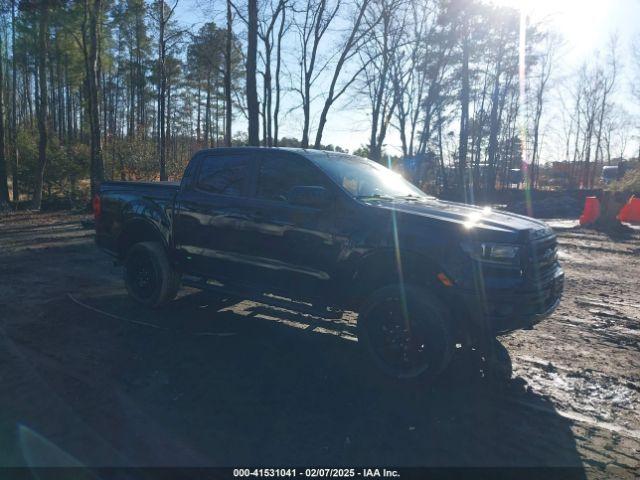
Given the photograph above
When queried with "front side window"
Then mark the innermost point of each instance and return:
(364, 178)
(224, 175)
(278, 175)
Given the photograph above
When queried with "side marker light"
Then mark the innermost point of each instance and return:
(446, 281)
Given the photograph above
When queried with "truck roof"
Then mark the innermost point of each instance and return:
(307, 152)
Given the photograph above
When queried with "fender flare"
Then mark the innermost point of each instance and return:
(138, 228)
(379, 267)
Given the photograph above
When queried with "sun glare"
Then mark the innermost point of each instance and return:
(577, 20)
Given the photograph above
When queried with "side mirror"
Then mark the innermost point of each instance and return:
(305, 196)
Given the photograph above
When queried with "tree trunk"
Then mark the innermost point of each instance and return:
(207, 112)
(228, 104)
(131, 98)
(464, 118)
(94, 8)
(198, 122)
(586, 173)
(43, 43)
(69, 102)
(167, 134)
(536, 139)
(276, 108)
(252, 92)
(162, 88)
(351, 43)
(443, 171)
(14, 132)
(4, 185)
(494, 127)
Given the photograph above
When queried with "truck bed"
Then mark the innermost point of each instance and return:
(122, 202)
(116, 186)
(158, 191)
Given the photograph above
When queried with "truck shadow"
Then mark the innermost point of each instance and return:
(210, 381)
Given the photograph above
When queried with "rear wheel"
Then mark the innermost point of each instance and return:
(406, 331)
(148, 275)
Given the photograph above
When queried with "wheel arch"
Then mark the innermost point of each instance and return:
(380, 268)
(139, 229)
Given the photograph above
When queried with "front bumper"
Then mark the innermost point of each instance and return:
(502, 312)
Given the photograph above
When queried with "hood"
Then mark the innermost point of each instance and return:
(471, 218)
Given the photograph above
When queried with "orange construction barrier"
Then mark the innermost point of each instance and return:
(591, 211)
(631, 211)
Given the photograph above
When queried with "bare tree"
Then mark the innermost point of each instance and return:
(227, 77)
(438, 54)
(90, 45)
(276, 109)
(43, 10)
(542, 75)
(357, 34)
(411, 72)
(440, 72)
(317, 17)
(4, 186)
(589, 85)
(618, 127)
(253, 107)
(608, 83)
(15, 184)
(377, 58)
(575, 127)
(165, 14)
(464, 115)
(267, 35)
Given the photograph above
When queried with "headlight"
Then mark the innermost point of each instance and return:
(501, 253)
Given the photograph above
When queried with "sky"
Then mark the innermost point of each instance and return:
(585, 25)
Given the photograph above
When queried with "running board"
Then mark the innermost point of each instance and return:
(214, 286)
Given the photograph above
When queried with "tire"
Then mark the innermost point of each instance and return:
(417, 346)
(148, 276)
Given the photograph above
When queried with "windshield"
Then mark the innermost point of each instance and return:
(364, 178)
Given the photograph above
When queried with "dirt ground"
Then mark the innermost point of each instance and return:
(90, 378)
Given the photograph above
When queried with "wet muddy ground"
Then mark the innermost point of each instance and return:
(89, 378)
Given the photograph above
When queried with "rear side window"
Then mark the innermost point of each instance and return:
(224, 175)
(278, 175)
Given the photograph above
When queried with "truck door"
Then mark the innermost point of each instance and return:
(212, 217)
(295, 244)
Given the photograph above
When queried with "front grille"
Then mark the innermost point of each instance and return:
(542, 263)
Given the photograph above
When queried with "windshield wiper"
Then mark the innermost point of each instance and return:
(415, 198)
(375, 196)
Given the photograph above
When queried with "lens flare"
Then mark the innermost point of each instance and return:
(398, 257)
(522, 73)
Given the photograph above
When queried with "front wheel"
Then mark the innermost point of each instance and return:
(148, 275)
(406, 332)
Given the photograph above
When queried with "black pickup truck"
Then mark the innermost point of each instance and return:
(326, 232)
